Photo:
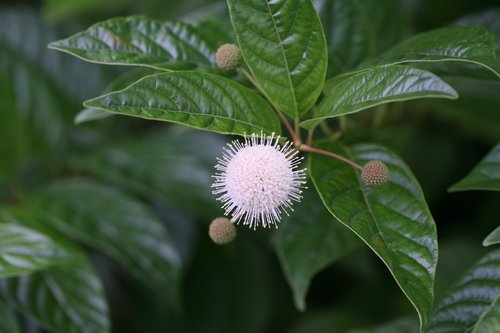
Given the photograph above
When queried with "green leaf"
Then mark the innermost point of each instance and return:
(140, 41)
(23, 251)
(471, 44)
(377, 86)
(87, 115)
(61, 299)
(393, 220)
(490, 319)
(8, 323)
(117, 225)
(200, 100)
(307, 241)
(471, 300)
(167, 166)
(402, 325)
(485, 176)
(489, 19)
(284, 46)
(356, 30)
(492, 238)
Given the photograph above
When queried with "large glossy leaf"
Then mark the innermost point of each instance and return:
(379, 85)
(117, 225)
(393, 220)
(492, 238)
(62, 299)
(284, 46)
(403, 325)
(8, 323)
(141, 41)
(485, 176)
(356, 30)
(23, 251)
(309, 240)
(471, 300)
(170, 166)
(200, 100)
(470, 44)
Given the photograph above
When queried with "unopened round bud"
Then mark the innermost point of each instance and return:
(228, 57)
(222, 231)
(374, 173)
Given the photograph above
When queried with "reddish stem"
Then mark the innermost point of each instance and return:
(293, 135)
(295, 138)
(329, 153)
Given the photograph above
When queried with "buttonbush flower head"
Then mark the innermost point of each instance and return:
(222, 231)
(374, 173)
(258, 180)
(228, 57)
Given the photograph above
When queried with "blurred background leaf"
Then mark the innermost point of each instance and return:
(25, 251)
(165, 165)
(8, 322)
(61, 299)
(356, 30)
(309, 240)
(114, 223)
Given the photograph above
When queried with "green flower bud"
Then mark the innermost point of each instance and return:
(374, 173)
(222, 231)
(228, 57)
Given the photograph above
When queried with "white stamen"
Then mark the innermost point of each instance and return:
(257, 181)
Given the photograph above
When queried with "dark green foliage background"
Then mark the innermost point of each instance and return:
(165, 170)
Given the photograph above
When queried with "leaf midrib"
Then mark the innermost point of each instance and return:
(296, 111)
(369, 245)
(191, 114)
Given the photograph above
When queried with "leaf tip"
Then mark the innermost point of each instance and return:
(55, 45)
(300, 303)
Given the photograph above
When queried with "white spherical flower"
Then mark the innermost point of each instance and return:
(258, 180)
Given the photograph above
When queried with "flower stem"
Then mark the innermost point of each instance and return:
(329, 153)
(310, 136)
(293, 134)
